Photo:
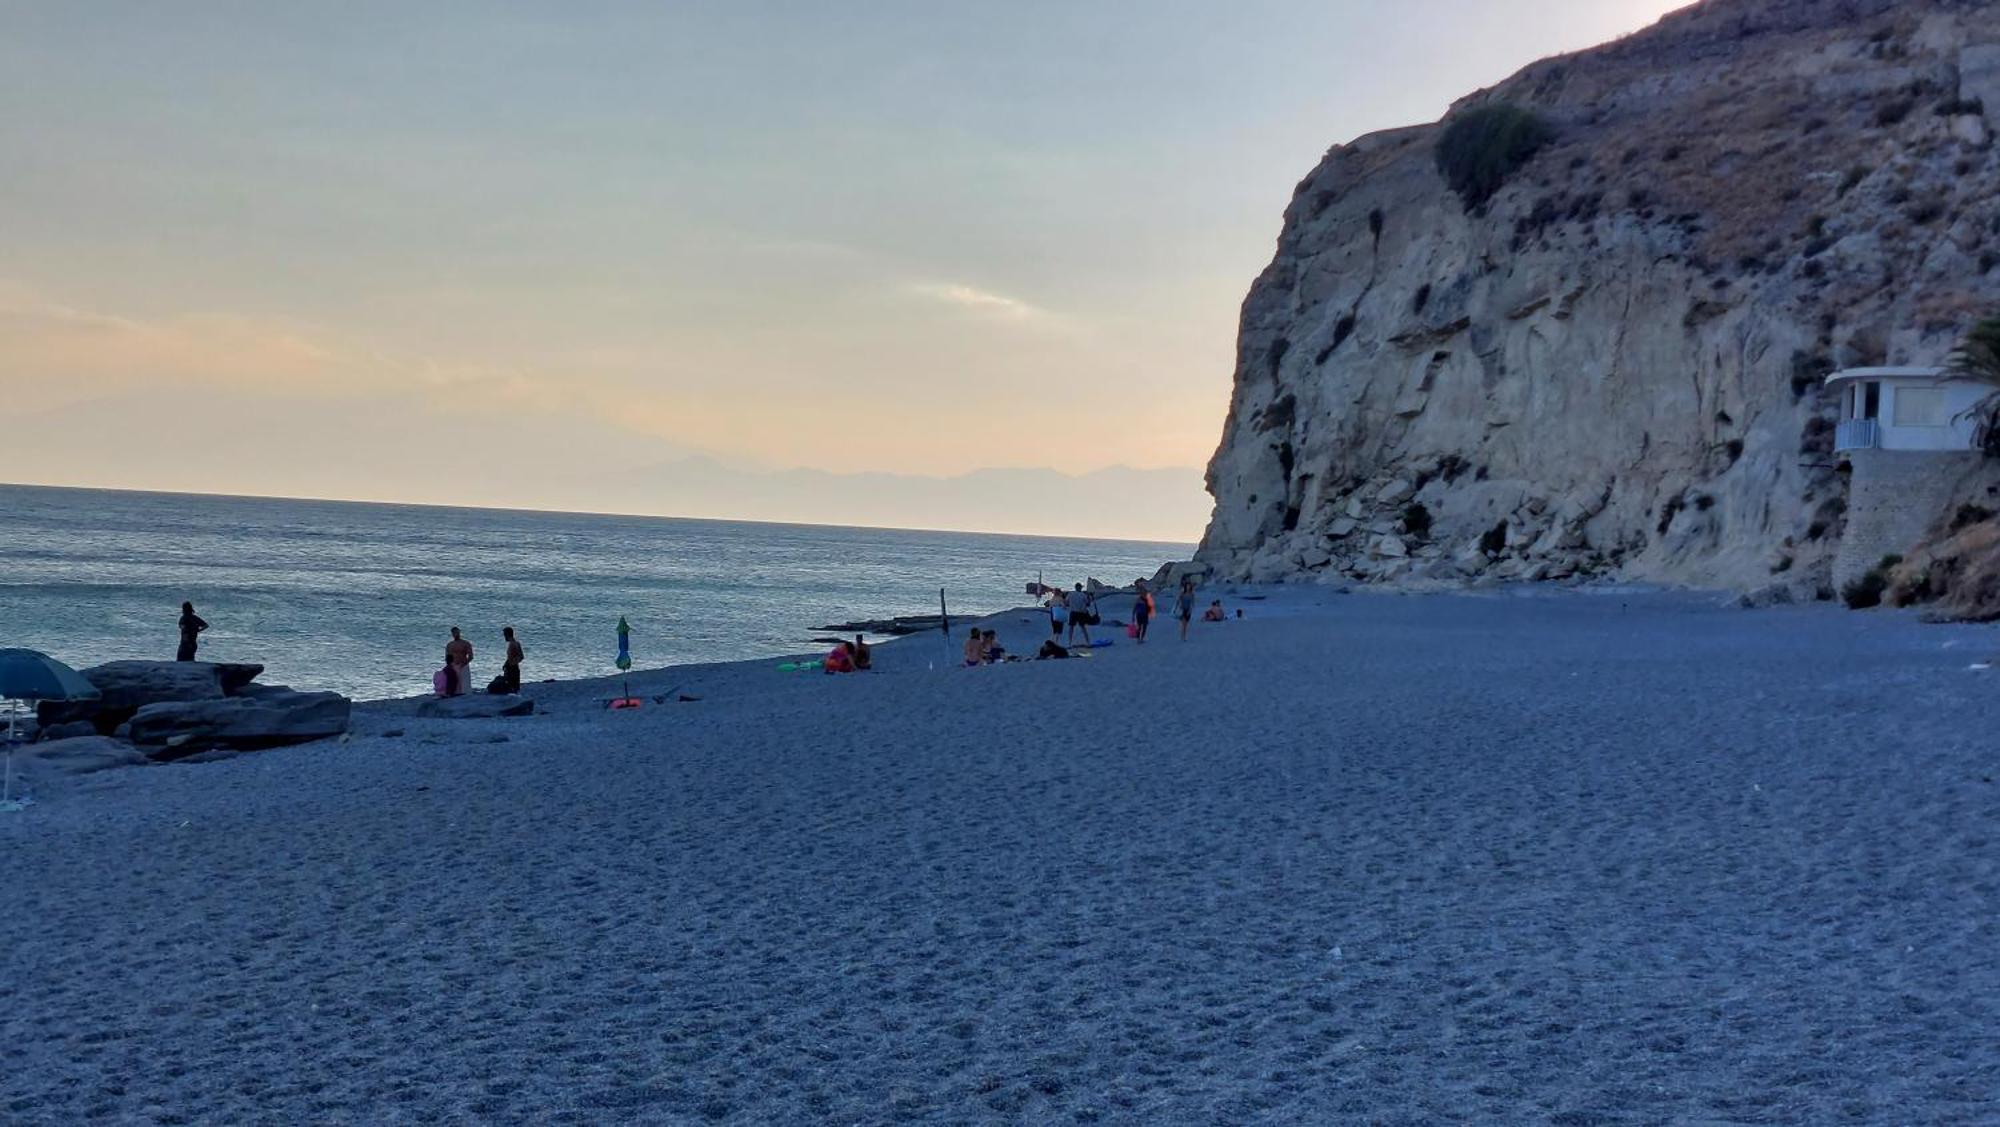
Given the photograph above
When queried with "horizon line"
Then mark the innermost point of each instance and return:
(380, 503)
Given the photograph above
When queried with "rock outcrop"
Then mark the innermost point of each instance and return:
(50, 765)
(1611, 363)
(128, 686)
(175, 710)
(37, 763)
(243, 723)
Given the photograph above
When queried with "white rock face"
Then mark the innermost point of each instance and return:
(1614, 367)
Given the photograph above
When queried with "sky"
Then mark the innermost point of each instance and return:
(510, 253)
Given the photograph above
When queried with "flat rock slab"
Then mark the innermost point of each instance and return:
(40, 768)
(128, 686)
(169, 732)
(79, 756)
(476, 706)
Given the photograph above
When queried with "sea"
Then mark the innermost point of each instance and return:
(359, 598)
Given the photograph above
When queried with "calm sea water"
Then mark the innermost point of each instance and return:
(359, 598)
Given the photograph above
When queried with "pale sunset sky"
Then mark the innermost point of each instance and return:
(499, 253)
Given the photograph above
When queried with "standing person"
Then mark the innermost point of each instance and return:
(191, 628)
(1142, 612)
(458, 661)
(1058, 611)
(511, 668)
(1184, 604)
(1079, 614)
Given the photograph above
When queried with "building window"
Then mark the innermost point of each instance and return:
(1920, 407)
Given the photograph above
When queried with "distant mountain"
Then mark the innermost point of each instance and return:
(298, 447)
(1118, 502)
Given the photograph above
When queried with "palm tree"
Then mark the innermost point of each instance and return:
(1978, 357)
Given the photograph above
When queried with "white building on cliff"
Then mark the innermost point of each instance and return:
(1908, 435)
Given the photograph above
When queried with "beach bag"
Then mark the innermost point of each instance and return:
(441, 682)
(498, 686)
(1131, 630)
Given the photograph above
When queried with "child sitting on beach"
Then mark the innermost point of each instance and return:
(1214, 612)
(975, 648)
(841, 660)
(990, 650)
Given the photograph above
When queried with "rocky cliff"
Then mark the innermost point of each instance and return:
(1611, 364)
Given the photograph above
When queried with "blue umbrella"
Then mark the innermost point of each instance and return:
(33, 675)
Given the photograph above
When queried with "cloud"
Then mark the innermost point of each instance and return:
(977, 300)
(43, 342)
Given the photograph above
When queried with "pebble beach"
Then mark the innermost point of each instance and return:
(1607, 857)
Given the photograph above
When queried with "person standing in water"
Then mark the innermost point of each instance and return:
(1184, 604)
(191, 628)
(458, 659)
(510, 669)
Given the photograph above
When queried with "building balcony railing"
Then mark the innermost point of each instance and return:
(1857, 434)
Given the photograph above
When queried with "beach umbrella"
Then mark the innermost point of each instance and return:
(624, 663)
(33, 675)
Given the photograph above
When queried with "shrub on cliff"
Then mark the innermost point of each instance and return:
(1484, 146)
(1978, 357)
(1417, 520)
(1867, 591)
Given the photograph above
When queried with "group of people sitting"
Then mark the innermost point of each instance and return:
(1075, 610)
(982, 647)
(849, 657)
